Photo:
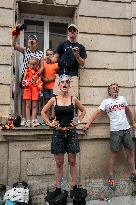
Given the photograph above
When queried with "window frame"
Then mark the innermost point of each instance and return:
(46, 20)
(19, 60)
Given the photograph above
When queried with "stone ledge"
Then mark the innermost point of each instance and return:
(26, 134)
(74, 3)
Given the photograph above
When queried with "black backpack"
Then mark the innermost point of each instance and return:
(60, 199)
(78, 195)
(17, 121)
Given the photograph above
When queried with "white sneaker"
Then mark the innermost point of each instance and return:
(28, 123)
(35, 123)
(23, 122)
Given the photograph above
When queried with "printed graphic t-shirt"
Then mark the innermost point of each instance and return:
(115, 109)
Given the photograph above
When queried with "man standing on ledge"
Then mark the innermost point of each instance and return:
(70, 54)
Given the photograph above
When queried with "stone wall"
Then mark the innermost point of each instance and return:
(106, 28)
(6, 23)
(26, 155)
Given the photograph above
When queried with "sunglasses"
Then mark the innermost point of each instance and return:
(63, 81)
(72, 29)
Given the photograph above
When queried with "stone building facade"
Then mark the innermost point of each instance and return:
(108, 31)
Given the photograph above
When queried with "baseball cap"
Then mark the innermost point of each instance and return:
(72, 25)
(64, 78)
(32, 37)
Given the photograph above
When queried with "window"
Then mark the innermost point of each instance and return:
(57, 34)
(50, 31)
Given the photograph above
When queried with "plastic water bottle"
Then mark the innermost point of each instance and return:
(62, 185)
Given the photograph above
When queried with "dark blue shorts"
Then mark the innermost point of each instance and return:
(65, 141)
(47, 94)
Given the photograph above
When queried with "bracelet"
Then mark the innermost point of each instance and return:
(79, 121)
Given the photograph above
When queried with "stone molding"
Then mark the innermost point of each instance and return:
(55, 2)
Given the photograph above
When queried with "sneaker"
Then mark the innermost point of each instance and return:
(23, 122)
(133, 177)
(111, 182)
(35, 123)
(28, 123)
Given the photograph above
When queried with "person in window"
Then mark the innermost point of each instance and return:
(48, 77)
(65, 137)
(28, 53)
(116, 108)
(70, 54)
(31, 91)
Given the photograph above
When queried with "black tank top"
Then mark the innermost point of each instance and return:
(64, 114)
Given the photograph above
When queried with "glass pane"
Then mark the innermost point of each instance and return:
(57, 34)
(37, 28)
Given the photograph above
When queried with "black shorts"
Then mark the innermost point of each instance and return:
(65, 141)
(47, 94)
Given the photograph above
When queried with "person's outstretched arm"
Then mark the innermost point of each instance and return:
(92, 118)
(17, 46)
(131, 116)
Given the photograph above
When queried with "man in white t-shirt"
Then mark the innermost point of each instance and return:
(116, 108)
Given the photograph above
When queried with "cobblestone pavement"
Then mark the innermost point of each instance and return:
(122, 200)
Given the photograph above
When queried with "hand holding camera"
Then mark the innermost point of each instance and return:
(75, 51)
(16, 31)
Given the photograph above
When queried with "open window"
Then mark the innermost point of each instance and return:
(51, 31)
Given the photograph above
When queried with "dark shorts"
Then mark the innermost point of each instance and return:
(63, 142)
(47, 94)
(122, 137)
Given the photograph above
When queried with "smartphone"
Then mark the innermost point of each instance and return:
(20, 27)
(75, 49)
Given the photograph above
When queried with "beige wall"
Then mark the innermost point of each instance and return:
(6, 23)
(25, 155)
(106, 28)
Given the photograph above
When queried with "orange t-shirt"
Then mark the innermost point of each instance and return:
(50, 70)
